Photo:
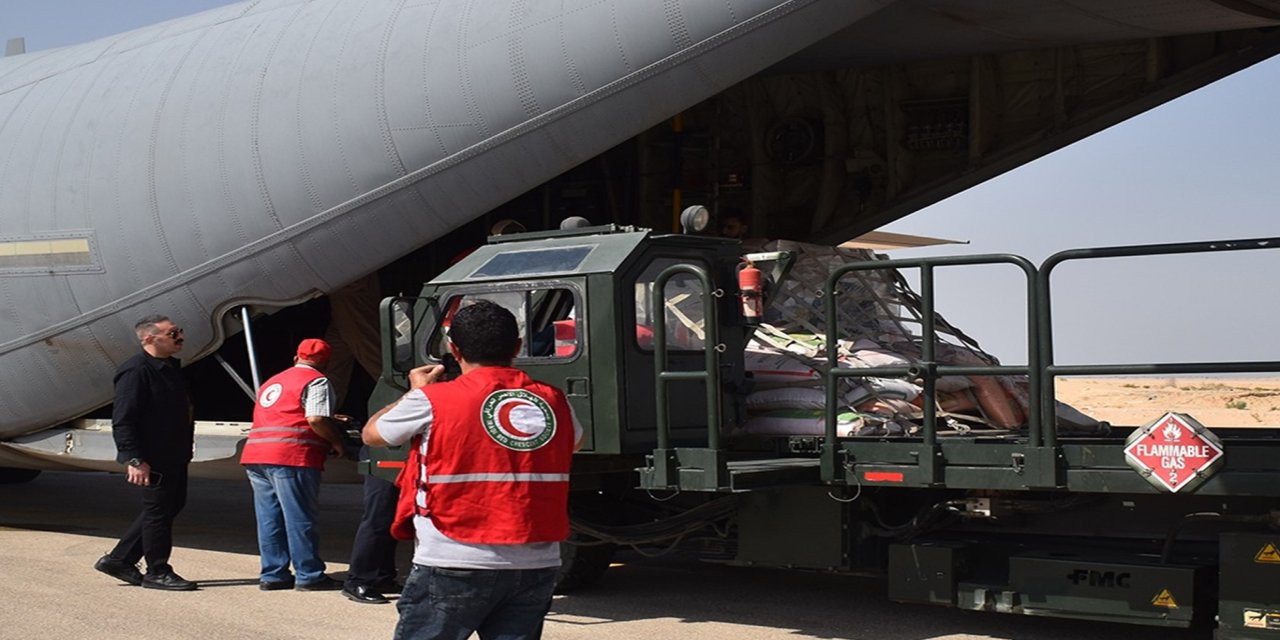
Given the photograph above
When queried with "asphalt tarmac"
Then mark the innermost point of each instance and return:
(53, 529)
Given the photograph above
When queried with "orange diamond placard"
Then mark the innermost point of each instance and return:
(1174, 453)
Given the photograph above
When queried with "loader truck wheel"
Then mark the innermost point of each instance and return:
(582, 565)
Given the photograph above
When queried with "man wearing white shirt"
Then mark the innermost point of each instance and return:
(493, 450)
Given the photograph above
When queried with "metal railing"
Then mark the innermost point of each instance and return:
(1041, 371)
(711, 349)
(1048, 371)
(927, 368)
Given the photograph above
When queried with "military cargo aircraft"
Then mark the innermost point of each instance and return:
(235, 163)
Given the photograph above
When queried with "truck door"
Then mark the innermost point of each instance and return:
(685, 321)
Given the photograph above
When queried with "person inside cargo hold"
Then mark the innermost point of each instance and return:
(732, 223)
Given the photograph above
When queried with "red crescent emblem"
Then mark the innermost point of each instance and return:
(504, 418)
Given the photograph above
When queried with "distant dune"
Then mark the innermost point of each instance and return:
(1215, 402)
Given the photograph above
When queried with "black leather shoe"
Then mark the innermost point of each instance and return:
(169, 581)
(364, 594)
(119, 569)
(325, 583)
(276, 585)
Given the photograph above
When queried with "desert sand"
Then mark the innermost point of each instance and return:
(1214, 402)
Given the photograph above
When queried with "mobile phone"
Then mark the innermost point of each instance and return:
(154, 478)
(451, 367)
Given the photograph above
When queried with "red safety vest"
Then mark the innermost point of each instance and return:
(281, 434)
(498, 456)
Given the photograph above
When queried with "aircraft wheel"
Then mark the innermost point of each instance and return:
(10, 475)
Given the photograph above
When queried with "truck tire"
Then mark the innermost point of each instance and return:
(9, 475)
(582, 565)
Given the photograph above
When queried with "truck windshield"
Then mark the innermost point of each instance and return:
(546, 319)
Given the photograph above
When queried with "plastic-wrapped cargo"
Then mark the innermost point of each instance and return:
(879, 320)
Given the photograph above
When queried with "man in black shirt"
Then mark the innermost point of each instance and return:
(154, 430)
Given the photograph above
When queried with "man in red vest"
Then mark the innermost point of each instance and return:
(293, 432)
(494, 449)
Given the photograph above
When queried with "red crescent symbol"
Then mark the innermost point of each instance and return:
(504, 418)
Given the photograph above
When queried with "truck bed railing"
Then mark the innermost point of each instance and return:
(926, 368)
(1048, 372)
(1039, 461)
(1036, 459)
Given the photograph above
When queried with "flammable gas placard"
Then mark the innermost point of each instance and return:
(1174, 453)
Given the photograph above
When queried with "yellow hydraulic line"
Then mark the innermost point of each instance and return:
(677, 201)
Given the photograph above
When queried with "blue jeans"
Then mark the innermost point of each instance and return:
(286, 501)
(449, 604)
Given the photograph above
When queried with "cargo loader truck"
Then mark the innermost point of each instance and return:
(955, 497)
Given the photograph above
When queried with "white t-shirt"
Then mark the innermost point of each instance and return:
(413, 416)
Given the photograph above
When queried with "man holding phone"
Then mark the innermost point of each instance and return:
(490, 455)
(154, 429)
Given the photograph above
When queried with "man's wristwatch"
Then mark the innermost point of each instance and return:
(134, 462)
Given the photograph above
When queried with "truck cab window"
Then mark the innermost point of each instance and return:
(546, 319)
(402, 335)
(682, 305)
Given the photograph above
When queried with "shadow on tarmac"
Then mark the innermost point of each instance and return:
(218, 515)
(644, 591)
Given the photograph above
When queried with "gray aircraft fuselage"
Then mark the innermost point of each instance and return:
(225, 158)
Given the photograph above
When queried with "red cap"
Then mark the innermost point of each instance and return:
(314, 350)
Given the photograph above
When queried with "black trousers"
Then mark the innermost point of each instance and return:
(373, 552)
(151, 534)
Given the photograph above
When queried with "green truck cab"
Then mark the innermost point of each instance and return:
(582, 299)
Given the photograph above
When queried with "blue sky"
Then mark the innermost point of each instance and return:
(1203, 167)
